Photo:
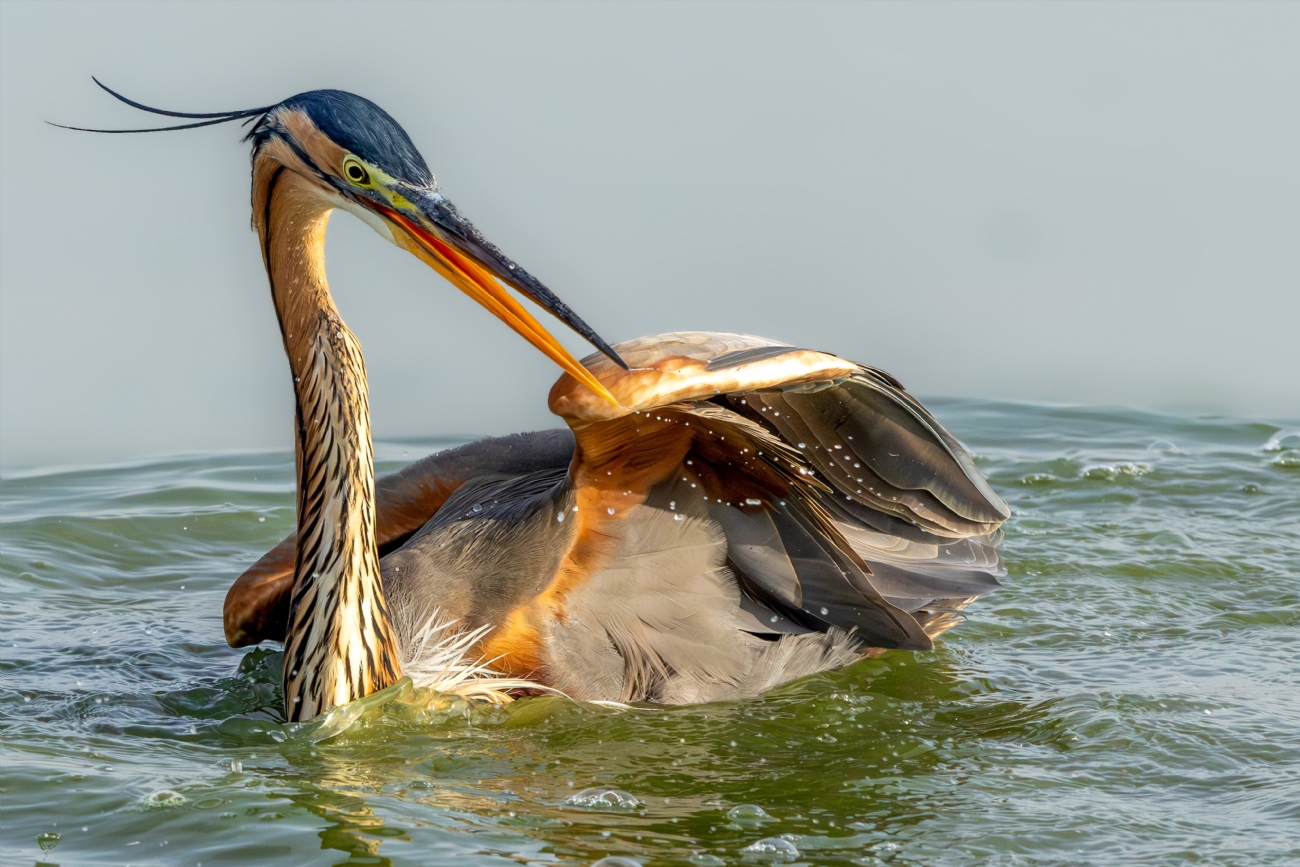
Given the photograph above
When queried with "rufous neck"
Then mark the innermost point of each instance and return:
(291, 227)
(339, 645)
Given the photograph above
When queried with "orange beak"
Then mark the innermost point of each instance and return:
(478, 282)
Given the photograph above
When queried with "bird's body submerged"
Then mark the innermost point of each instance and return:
(751, 514)
(725, 513)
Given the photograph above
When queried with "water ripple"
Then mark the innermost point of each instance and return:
(1131, 695)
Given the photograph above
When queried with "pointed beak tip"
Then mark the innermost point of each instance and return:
(600, 390)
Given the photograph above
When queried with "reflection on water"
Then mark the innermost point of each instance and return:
(1129, 697)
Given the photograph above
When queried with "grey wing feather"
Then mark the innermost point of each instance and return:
(851, 547)
(796, 571)
(666, 622)
(472, 565)
(406, 499)
(882, 452)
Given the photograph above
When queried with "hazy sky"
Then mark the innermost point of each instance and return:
(1095, 203)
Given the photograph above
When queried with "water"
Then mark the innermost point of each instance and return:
(1132, 695)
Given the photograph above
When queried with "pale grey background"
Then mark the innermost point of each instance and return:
(1070, 203)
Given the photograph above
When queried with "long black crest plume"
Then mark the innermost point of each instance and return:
(210, 117)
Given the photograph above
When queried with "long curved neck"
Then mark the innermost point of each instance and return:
(339, 645)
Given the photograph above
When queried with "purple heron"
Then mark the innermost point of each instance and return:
(723, 514)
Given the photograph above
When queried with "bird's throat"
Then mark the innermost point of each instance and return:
(339, 645)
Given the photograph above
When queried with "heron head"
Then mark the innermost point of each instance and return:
(357, 158)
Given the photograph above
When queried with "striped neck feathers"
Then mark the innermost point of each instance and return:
(339, 645)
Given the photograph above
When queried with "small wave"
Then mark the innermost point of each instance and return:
(162, 799)
(599, 798)
(749, 814)
(1288, 438)
(773, 848)
(1111, 472)
(1289, 459)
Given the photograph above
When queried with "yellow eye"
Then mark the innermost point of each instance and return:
(355, 172)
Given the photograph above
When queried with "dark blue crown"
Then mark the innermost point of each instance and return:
(362, 128)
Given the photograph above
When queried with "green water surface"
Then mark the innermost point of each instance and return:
(1132, 696)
